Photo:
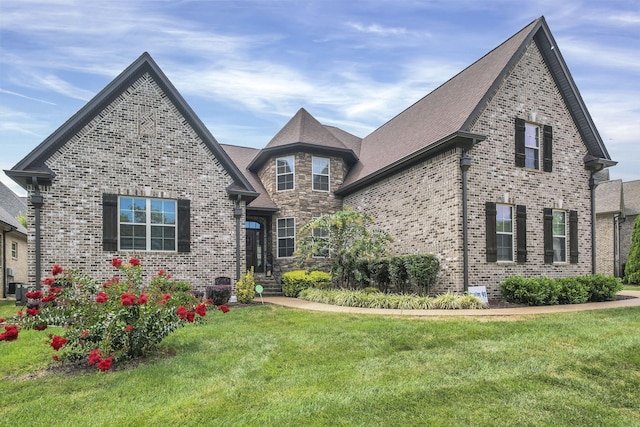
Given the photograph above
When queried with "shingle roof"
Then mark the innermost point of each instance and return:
(7, 220)
(609, 197)
(303, 127)
(11, 202)
(242, 156)
(631, 191)
(454, 106)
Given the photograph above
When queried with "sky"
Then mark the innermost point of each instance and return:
(247, 66)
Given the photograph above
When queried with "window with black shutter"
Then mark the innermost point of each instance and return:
(548, 235)
(520, 156)
(573, 237)
(521, 239)
(492, 243)
(110, 222)
(547, 148)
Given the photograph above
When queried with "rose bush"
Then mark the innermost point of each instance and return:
(108, 322)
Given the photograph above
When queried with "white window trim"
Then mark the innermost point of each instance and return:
(293, 172)
(288, 237)
(328, 174)
(566, 239)
(14, 251)
(538, 146)
(148, 225)
(512, 233)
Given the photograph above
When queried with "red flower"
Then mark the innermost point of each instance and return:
(102, 297)
(182, 312)
(129, 328)
(223, 308)
(20, 314)
(10, 334)
(1, 319)
(56, 358)
(57, 342)
(40, 327)
(56, 270)
(116, 262)
(164, 299)
(95, 356)
(85, 333)
(49, 281)
(34, 295)
(161, 273)
(191, 316)
(33, 311)
(49, 298)
(209, 301)
(143, 299)
(127, 299)
(201, 309)
(54, 290)
(134, 262)
(105, 364)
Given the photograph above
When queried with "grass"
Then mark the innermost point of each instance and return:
(269, 365)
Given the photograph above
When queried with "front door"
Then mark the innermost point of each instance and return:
(254, 252)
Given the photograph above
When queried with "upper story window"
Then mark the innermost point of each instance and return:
(559, 236)
(147, 224)
(531, 146)
(14, 250)
(320, 173)
(285, 167)
(504, 232)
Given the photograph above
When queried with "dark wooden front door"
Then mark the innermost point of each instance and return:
(255, 254)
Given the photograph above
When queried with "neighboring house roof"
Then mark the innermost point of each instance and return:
(33, 165)
(631, 192)
(242, 156)
(609, 197)
(452, 108)
(11, 202)
(304, 132)
(9, 223)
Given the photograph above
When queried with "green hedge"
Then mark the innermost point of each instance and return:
(569, 290)
(293, 282)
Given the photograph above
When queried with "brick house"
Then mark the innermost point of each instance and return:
(13, 242)
(492, 172)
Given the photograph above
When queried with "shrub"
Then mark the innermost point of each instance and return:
(422, 271)
(320, 279)
(118, 319)
(601, 287)
(219, 294)
(572, 291)
(398, 274)
(521, 290)
(246, 288)
(379, 273)
(293, 282)
(632, 267)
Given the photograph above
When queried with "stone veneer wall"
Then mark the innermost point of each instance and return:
(528, 92)
(301, 203)
(421, 208)
(139, 145)
(604, 241)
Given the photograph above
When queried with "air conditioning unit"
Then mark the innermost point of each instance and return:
(9, 271)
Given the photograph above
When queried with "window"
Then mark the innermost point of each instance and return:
(286, 237)
(321, 237)
(504, 232)
(147, 224)
(320, 173)
(532, 146)
(284, 173)
(559, 236)
(14, 250)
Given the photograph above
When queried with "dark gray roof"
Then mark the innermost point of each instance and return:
(631, 191)
(609, 197)
(452, 108)
(11, 202)
(34, 163)
(8, 222)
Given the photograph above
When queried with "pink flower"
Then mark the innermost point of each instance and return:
(57, 342)
(85, 333)
(164, 299)
(95, 356)
(201, 309)
(129, 328)
(102, 297)
(223, 308)
(105, 364)
(134, 262)
(161, 273)
(56, 270)
(50, 297)
(116, 262)
(143, 299)
(127, 299)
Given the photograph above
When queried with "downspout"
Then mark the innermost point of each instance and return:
(465, 164)
(592, 187)
(37, 202)
(4, 263)
(237, 214)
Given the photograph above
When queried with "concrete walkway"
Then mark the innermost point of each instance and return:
(634, 301)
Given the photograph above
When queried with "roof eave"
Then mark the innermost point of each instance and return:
(263, 155)
(43, 176)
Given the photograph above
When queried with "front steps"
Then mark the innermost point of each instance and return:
(271, 288)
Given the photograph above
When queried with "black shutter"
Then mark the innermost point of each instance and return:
(109, 222)
(521, 224)
(547, 148)
(520, 156)
(573, 237)
(548, 236)
(184, 225)
(492, 241)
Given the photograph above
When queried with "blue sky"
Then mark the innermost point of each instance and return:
(246, 66)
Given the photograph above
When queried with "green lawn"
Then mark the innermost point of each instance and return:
(268, 365)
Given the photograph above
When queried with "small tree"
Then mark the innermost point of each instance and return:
(345, 238)
(632, 269)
